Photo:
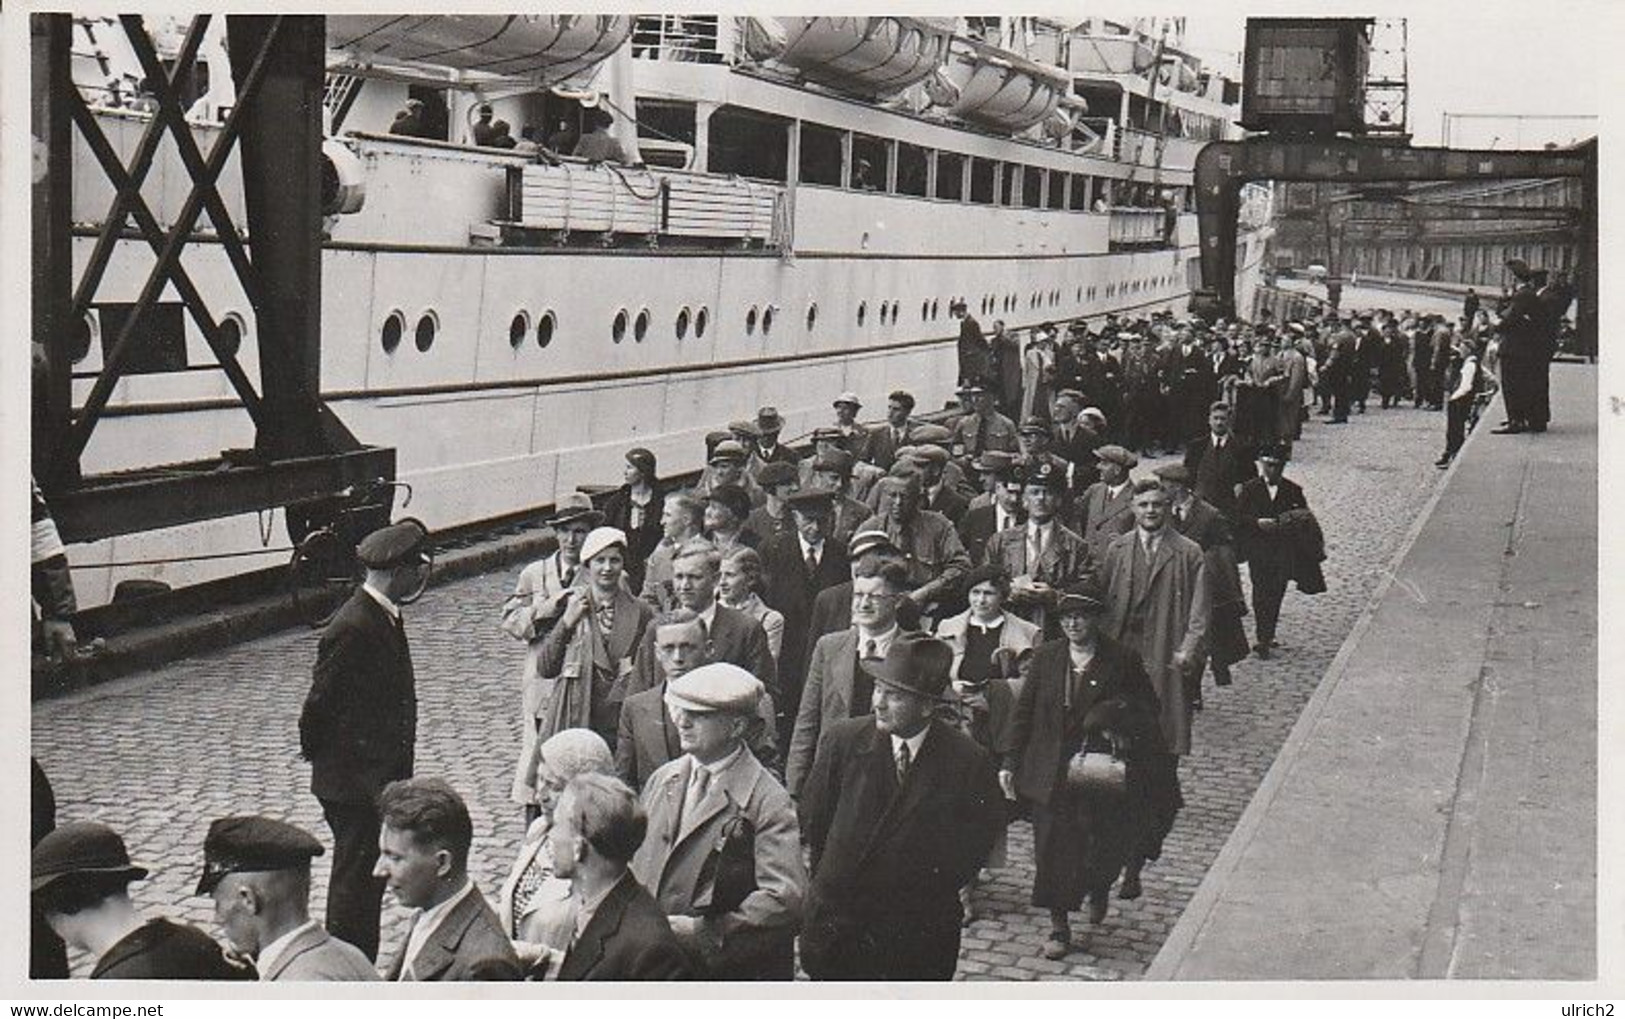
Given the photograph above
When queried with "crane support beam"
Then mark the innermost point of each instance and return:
(1223, 167)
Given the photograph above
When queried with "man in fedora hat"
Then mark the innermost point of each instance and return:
(898, 813)
(80, 877)
(533, 609)
(769, 423)
(359, 723)
(257, 870)
(723, 853)
(1268, 547)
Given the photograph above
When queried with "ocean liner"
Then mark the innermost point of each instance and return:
(803, 201)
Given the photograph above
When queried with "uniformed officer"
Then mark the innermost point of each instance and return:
(257, 869)
(80, 876)
(359, 723)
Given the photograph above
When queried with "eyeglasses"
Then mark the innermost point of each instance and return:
(868, 596)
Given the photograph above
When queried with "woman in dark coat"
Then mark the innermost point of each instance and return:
(635, 508)
(1086, 692)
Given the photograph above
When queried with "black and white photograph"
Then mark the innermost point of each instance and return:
(861, 501)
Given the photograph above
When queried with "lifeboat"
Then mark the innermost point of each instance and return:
(542, 47)
(1000, 90)
(866, 57)
(1110, 54)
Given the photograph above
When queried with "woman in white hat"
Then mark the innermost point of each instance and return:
(585, 659)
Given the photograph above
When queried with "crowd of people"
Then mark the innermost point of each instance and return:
(787, 712)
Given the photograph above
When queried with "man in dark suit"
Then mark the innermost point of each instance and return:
(768, 448)
(1218, 462)
(598, 826)
(799, 565)
(735, 637)
(423, 857)
(885, 440)
(981, 523)
(975, 356)
(1269, 551)
(898, 814)
(1071, 440)
(359, 723)
(939, 495)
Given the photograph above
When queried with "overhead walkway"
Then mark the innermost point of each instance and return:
(1434, 812)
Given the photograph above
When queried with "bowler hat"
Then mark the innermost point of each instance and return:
(576, 506)
(237, 845)
(916, 662)
(80, 847)
(394, 545)
(1273, 451)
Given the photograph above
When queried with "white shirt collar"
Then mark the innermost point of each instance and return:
(429, 920)
(718, 767)
(1034, 527)
(382, 600)
(807, 549)
(1115, 490)
(270, 954)
(971, 622)
(882, 640)
(914, 743)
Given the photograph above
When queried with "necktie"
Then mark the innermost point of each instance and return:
(812, 563)
(698, 782)
(869, 649)
(981, 434)
(903, 760)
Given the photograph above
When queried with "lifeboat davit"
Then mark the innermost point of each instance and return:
(543, 47)
(868, 57)
(1000, 90)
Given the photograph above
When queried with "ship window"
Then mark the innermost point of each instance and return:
(950, 176)
(682, 323)
(863, 311)
(702, 318)
(812, 316)
(428, 325)
(749, 144)
(1032, 187)
(230, 336)
(767, 320)
(871, 162)
(1056, 199)
(1078, 198)
(913, 164)
(934, 309)
(925, 311)
(1007, 184)
(544, 329)
(750, 321)
(394, 328)
(820, 155)
(983, 174)
(518, 329)
(640, 328)
(617, 329)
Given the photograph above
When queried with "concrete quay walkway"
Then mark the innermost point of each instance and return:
(1433, 813)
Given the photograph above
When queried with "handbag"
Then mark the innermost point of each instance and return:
(1098, 773)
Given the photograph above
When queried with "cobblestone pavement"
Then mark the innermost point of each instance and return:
(160, 755)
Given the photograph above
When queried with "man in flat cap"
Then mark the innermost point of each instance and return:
(80, 878)
(358, 728)
(982, 427)
(937, 493)
(1198, 520)
(726, 465)
(723, 852)
(257, 869)
(856, 436)
(899, 813)
(1041, 556)
(1107, 507)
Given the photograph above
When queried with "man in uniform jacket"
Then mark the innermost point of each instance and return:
(1107, 506)
(358, 727)
(1041, 556)
(982, 427)
(423, 857)
(899, 813)
(80, 877)
(735, 637)
(257, 869)
(723, 852)
(598, 825)
(885, 440)
(1218, 462)
(1270, 551)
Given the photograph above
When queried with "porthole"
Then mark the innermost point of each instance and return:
(933, 311)
(1080, 294)
(812, 315)
(750, 321)
(85, 335)
(394, 329)
(617, 328)
(925, 311)
(682, 323)
(640, 327)
(428, 326)
(702, 318)
(544, 329)
(863, 311)
(767, 320)
(230, 336)
(518, 329)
